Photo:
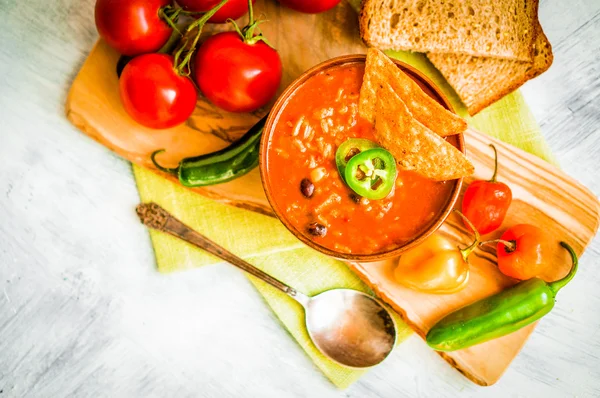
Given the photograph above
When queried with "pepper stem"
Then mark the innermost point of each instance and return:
(559, 284)
(511, 245)
(158, 166)
(495, 164)
(466, 252)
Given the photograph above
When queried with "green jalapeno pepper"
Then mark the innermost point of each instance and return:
(349, 148)
(500, 314)
(221, 166)
(371, 173)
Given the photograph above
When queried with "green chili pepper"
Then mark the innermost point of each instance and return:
(221, 166)
(371, 173)
(500, 314)
(349, 148)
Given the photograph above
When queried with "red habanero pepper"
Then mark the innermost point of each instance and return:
(485, 203)
(522, 252)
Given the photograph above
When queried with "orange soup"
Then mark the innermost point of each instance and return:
(308, 189)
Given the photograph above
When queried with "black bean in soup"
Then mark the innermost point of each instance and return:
(317, 229)
(307, 188)
(355, 198)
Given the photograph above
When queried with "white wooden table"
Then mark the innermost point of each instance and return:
(84, 313)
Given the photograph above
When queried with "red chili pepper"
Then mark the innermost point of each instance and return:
(522, 252)
(485, 203)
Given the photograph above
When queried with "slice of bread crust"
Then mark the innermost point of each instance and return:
(483, 28)
(481, 81)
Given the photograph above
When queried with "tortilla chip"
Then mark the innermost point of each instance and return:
(380, 69)
(414, 146)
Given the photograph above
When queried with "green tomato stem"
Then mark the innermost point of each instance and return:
(247, 33)
(171, 44)
(183, 68)
(236, 28)
(170, 14)
(250, 13)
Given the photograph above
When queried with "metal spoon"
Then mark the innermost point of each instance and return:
(348, 326)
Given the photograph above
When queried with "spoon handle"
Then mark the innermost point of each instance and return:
(154, 216)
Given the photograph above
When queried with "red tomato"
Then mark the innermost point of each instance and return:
(132, 27)
(153, 94)
(527, 258)
(236, 76)
(233, 9)
(310, 6)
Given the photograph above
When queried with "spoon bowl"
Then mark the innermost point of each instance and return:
(350, 327)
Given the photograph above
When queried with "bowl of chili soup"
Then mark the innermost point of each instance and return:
(309, 121)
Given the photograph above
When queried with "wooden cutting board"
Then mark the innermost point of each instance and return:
(542, 193)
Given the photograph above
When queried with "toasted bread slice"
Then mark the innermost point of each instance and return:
(380, 69)
(479, 81)
(482, 28)
(542, 54)
(415, 147)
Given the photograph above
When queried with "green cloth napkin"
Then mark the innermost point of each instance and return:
(266, 243)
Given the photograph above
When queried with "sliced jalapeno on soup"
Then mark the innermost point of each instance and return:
(350, 148)
(371, 173)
